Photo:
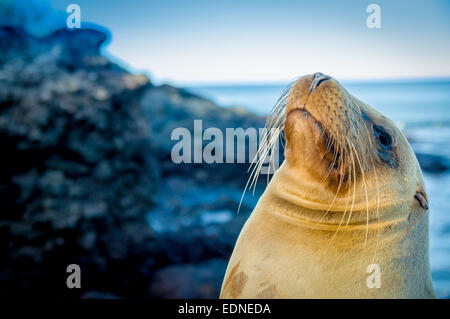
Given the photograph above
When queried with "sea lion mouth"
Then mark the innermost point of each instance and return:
(308, 116)
(328, 147)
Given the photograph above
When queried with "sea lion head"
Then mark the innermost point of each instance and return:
(342, 154)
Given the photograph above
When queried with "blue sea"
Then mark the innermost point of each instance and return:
(421, 108)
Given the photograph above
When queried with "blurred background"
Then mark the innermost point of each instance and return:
(86, 117)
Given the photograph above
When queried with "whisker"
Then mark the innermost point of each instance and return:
(274, 125)
(367, 198)
(354, 183)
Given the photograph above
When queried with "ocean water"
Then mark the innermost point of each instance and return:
(420, 108)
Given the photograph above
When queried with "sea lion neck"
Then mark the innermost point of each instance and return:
(308, 200)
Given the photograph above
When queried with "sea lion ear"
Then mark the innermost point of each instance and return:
(422, 198)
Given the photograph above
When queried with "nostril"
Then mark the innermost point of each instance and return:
(318, 78)
(321, 79)
(318, 74)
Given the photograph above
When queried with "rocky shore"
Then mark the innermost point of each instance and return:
(88, 179)
(87, 176)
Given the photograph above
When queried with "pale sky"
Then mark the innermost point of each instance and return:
(188, 42)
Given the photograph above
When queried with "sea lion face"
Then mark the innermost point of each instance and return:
(356, 153)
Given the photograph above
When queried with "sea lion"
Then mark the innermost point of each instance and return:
(349, 199)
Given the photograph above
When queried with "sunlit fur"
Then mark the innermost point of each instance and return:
(338, 203)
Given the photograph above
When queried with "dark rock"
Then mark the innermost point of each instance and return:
(189, 280)
(167, 108)
(78, 174)
(98, 295)
(433, 163)
(87, 149)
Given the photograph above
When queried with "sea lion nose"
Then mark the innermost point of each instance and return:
(317, 79)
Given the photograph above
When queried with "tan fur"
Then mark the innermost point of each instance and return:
(310, 237)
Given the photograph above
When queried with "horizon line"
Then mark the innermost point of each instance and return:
(184, 84)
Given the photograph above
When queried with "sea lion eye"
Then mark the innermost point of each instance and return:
(384, 138)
